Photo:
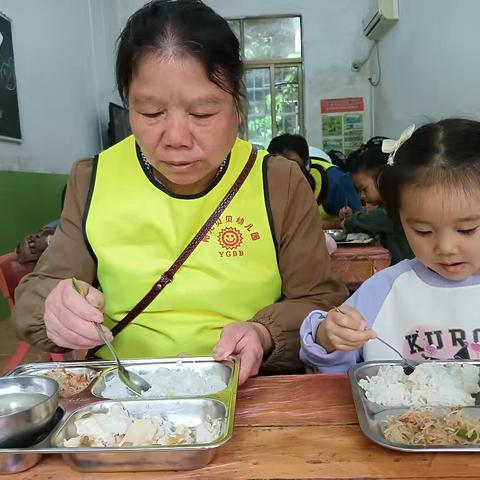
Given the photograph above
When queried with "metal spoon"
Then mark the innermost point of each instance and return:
(134, 382)
(409, 367)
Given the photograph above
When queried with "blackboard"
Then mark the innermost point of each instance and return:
(9, 115)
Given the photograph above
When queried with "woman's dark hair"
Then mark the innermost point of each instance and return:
(174, 28)
(295, 143)
(369, 162)
(445, 153)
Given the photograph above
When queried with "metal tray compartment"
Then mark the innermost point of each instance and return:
(189, 412)
(46, 368)
(84, 372)
(219, 404)
(371, 416)
(201, 365)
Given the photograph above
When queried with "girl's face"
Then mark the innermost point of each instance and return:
(443, 229)
(367, 188)
(184, 123)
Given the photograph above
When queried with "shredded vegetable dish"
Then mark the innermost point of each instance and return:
(424, 427)
(70, 383)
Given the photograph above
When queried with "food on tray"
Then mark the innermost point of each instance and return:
(117, 428)
(358, 237)
(431, 384)
(70, 383)
(166, 382)
(423, 427)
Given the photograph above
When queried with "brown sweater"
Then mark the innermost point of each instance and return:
(304, 264)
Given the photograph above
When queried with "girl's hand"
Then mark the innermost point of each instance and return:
(68, 316)
(250, 341)
(343, 331)
(345, 212)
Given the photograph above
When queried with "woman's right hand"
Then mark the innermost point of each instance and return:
(68, 316)
(343, 331)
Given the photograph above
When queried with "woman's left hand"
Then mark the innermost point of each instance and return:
(249, 341)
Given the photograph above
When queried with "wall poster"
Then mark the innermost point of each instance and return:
(342, 123)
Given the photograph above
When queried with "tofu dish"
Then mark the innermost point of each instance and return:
(118, 428)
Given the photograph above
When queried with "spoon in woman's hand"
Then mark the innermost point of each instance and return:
(134, 382)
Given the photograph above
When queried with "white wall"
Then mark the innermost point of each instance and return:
(430, 65)
(64, 72)
(332, 38)
(64, 57)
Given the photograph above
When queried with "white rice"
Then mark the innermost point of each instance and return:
(167, 382)
(431, 384)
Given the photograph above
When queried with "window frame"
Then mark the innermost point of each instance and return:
(271, 64)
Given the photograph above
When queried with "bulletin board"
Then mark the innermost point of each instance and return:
(9, 113)
(342, 123)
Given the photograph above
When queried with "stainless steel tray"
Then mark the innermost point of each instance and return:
(367, 241)
(371, 415)
(219, 404)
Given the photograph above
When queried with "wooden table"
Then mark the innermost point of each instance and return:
(294, 427)
(354, 265)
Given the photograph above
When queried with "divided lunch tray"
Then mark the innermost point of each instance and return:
(371, 416)
(189, 410)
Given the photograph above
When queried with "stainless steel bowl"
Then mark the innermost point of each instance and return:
(27, 404)
(337, 234)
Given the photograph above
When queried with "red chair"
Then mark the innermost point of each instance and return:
(11, 272)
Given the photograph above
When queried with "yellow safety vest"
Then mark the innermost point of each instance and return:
(318, 182)
(137, 229)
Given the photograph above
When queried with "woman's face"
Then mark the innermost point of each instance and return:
(184, 123)
(367, 188)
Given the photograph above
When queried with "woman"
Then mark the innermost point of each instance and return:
(247, 285)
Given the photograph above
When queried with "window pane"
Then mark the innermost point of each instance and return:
(267, 38)
(259, 106)
(287, 100)
(235, 26)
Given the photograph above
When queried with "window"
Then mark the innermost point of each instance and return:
(272, 52)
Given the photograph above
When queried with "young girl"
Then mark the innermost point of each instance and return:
(427, 307)
(364, 172)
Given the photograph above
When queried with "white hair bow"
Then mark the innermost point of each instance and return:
(391, 146)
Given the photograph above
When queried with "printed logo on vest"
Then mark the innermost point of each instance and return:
(231, 235)
(230, 238)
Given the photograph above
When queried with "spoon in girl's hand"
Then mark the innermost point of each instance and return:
(409, 365)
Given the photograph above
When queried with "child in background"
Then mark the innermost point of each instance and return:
(375, 221)
(333, 188)
(426, 307)
(295, 148)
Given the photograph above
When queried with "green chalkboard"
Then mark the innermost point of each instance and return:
(9, 116)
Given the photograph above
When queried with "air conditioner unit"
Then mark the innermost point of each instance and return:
(381, 18)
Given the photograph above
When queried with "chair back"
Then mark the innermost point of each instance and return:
(11, 272)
